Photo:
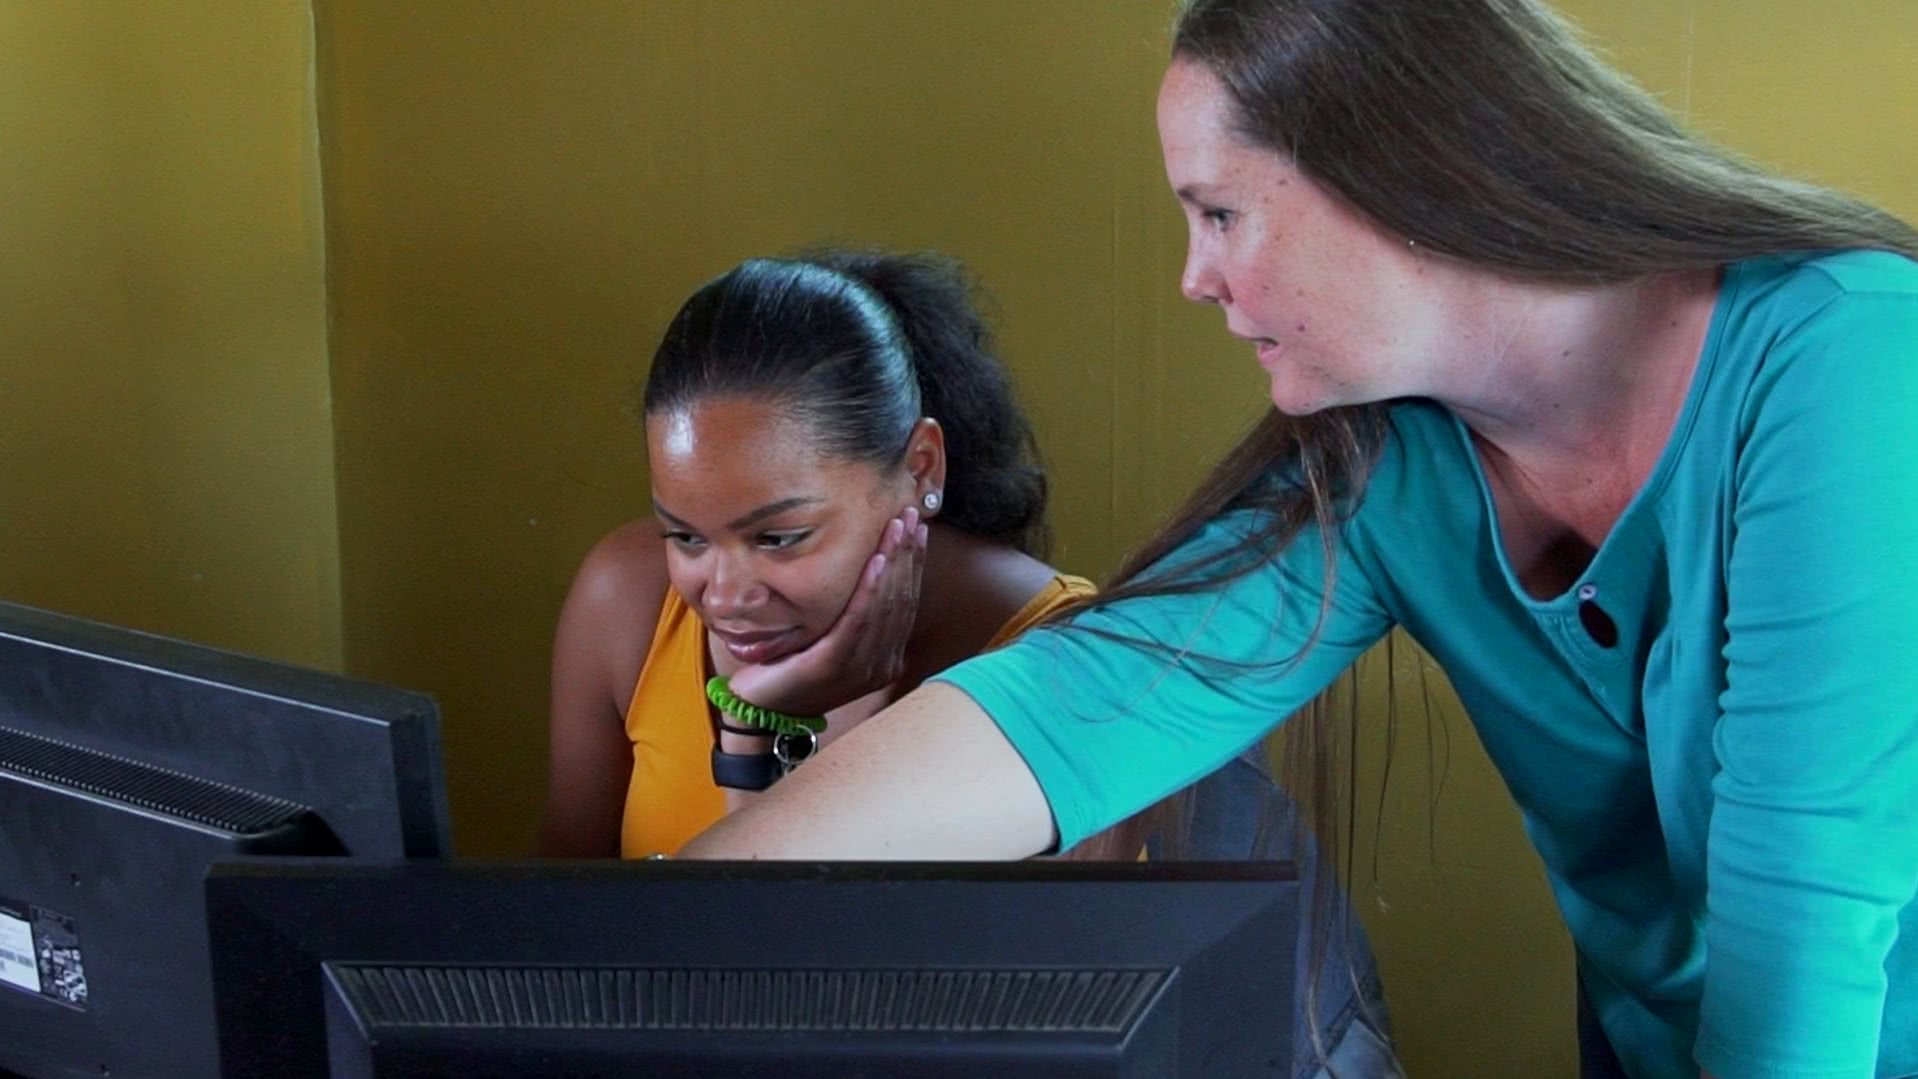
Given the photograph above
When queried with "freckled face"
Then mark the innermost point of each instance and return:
(766, 537)
(1339, 311)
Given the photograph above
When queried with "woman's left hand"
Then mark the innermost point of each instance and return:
(865, 647)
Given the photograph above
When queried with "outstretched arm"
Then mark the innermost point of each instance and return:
(1069, 730)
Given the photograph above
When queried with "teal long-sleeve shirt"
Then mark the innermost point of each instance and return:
(1724, 790)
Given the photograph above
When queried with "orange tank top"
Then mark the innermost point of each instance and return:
(671, 797)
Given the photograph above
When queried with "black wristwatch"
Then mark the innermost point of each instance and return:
(757, 771)
(745, 771)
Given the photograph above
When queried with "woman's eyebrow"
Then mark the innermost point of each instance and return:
(770, 509)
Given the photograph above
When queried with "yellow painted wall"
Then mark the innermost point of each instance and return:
(166, 454)
(519, 192)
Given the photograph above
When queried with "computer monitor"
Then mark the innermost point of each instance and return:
(764, 969)
(129, 763)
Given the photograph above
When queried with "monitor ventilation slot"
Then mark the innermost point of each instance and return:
(231, 809)
(1026, 1001)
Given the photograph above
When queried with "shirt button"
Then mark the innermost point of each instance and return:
(1598, 625)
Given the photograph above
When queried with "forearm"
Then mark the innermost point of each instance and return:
(929, 778)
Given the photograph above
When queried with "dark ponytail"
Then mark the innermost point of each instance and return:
(861, 344)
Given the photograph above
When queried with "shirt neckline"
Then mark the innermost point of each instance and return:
(1630, 522)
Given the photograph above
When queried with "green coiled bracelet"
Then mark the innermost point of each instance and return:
(719, 692)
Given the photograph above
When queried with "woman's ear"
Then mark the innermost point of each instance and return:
(926, 463)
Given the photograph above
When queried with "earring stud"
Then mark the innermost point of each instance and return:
(931, 501)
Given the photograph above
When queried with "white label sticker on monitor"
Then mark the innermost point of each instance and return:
(16, 954)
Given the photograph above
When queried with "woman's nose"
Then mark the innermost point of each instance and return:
(732, 586)
(1199, 282)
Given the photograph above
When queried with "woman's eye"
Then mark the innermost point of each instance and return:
(684, 540)
(1218, 219)
(779, 541)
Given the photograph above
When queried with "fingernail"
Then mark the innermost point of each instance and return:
(924, 532)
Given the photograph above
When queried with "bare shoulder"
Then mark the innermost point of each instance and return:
(973, 588)
(607, 623)
(1015, 578)
(628, 564)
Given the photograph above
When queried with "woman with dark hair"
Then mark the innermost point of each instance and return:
(811, 424)
(1611, 422)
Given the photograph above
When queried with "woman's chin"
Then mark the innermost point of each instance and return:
(1296, 397)
(1298, 406)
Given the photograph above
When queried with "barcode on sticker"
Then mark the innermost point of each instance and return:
(16, 954)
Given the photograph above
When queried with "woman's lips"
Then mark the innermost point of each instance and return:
(1269, 352)
(758, 646)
